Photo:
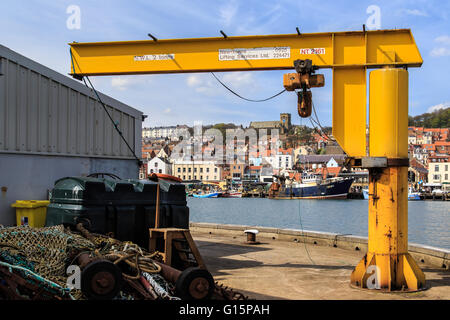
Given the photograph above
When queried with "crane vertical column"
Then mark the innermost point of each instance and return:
(387, 264)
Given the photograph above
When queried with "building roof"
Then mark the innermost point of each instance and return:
(161, 159)
(266, 171)
(285, 151)
(323, 158)
(332, 171)
(265, 124)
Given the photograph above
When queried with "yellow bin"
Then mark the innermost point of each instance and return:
(31, 212)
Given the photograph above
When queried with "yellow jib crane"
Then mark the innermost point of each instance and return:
(349, 55)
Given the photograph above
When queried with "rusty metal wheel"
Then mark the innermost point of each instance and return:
(101, 280)
(195, 284)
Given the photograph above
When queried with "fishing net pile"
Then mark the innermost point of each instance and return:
(42, 255)
(35, 264)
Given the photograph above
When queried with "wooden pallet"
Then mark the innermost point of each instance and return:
(176, 242)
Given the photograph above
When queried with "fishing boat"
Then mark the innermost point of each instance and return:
(365, 192)
(413, 195)
(232, 194)
(311, 187)
(206, 195)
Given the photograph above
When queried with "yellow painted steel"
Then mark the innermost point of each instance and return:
(388, 192)
(368, 49)
(388, 124)
(349, 110)
(349, 54)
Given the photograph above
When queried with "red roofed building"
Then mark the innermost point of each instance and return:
(330, 172)
(442, 147)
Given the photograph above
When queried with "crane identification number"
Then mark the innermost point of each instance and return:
(312, 51)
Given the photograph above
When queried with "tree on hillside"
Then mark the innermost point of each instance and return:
(437, 119)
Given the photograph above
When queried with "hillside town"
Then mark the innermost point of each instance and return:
(292, 152)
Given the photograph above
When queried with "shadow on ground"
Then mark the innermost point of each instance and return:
(215, 256)
(443, 282)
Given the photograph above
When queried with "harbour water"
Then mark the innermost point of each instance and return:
(429, 221)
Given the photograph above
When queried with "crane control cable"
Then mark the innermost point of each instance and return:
(104, 107)
(238, 95)
(301, 224)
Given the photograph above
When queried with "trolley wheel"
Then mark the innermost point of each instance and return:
(195, 284)
(101, 280)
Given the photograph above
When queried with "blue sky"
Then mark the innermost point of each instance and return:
(37, 29)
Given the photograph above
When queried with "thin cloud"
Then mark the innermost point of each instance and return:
(439, 106)
(128, 82)
(416, 12)
(443, 39)
(443, 50)
(228, 12)
(440, 52)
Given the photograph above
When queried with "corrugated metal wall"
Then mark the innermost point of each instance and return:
(44, 112)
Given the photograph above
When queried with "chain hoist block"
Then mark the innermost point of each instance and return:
(304, 105)
(303, 80)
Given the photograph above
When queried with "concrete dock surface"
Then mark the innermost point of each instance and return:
(275, 269)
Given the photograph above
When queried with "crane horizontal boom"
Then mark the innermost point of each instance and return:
(356, 49)
(349, 54)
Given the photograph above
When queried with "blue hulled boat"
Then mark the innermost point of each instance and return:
(312, 188)
(207, 195)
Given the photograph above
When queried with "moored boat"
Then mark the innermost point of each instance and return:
(365, 192)
(311, 187)
(231, 195)
(413, 195)
(206, 195)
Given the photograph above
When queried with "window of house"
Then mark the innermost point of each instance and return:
(436, 168)
(201, 170)
(215, 170)
(446, 176)
(201, 177)
(151, 170)
(195, 170)
(184, 169)
(179, 169)
(160, 170)
(189, 169)
(156, 164)
(446, 167)
(207, 170)
(184, 177)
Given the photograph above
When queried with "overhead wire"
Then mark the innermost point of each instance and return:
(238, 95)
(301, 224)
(317, 121)
(104, 107)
